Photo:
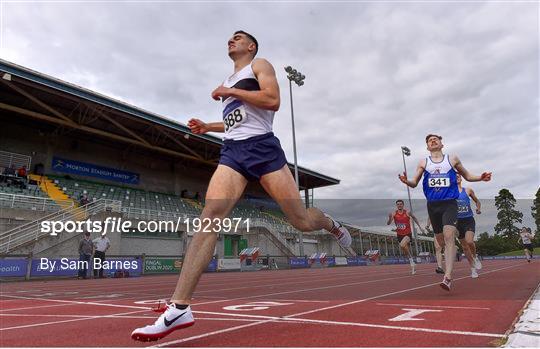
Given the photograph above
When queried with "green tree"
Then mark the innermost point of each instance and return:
(492, 245)
(535, 210)
(507, 216)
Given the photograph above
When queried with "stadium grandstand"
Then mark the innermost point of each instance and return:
(89, 156)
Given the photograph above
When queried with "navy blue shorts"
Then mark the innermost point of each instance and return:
(464, 225)
(253, 157)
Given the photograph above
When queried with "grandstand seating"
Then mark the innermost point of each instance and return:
(31, 190)
(136, 198)
(130, 197)
(141, 201)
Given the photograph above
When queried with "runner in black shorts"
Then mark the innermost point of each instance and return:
(466, 226)
(526, 236)
(441, 190)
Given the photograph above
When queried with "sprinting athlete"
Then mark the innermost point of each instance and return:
(466, 225)
(441, 191)
(250, 152)
(402, 219)
(526, 238)
(438, 250)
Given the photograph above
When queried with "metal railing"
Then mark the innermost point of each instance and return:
(33, 231)
(33, 203)
(145, 214)
(9, 159)
(258, 222)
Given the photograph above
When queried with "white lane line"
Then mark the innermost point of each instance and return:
(36, 307)
(217, 301)
(393, 293)
(71, 320)
(132, 283)
(211, 334)
(313, 289)
(82, 303)
(221, 300)
(296, 300)
(433, 306)
(130, 317)
(336, 306)
(326, 322)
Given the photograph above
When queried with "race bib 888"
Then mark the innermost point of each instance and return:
(234, 115)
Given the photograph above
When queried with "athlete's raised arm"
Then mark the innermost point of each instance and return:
(200, 127)
(414, 181)
(471, 193)
(456, 163)
(268, 95)
(390, 218)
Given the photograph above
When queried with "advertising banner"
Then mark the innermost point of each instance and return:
(13, 267)
(162, 265)
(229, 264)
(299, 263)
(91, 170)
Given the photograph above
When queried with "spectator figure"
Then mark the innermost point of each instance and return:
(83, 200)
(9, 171)
(86, 248)
(22, 172)
(101, 244)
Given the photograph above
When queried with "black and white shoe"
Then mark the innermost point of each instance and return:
(439, 270)
(171, 320)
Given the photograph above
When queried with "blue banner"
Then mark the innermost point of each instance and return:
(132, 265)
(358, 260)
(331, 261)
(91, 170)
(503, 257)
(395, 260)
(54, 267)
(212, 267)
(299, 263)
(13, 267)
(70, 266)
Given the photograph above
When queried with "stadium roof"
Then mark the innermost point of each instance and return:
(41, 97)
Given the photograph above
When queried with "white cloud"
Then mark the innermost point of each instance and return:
(379, 75)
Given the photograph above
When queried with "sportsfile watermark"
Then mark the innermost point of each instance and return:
(120, 225)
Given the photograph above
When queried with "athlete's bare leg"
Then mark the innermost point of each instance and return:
(404, 245)
(467, 243)
(224, 190)
(527, 254)
(467, 252)
(281, 187)
(449, 234)
(438, 253)
(469, 237)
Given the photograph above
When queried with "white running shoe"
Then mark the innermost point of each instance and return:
(340, 232)
(172, 319)
(477, 263)
(474, 273)
(446, 283)
(413, 269)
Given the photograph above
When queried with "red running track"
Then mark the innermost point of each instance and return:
(379, 306)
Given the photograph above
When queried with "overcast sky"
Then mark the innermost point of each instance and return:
(379, 75)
